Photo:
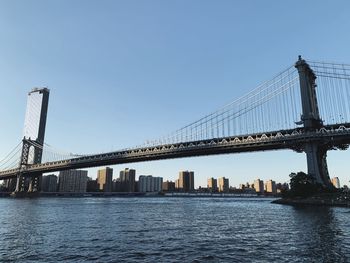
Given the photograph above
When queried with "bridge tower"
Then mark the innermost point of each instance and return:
(316, 153)
(33, 140)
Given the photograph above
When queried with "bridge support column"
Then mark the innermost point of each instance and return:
(20, 183)
(34, 183)
(317, 163)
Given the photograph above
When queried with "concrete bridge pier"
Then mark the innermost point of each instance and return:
(35, 183)
(316, 156)
(27, 186)
(20, 184)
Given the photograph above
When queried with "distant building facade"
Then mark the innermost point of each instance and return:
(148, 183)
(105, 179)
(9, 185)
(177, 184)
(73, 181)
(335, 181)
(259, 186)
(92, 185)
(168, 186)
(212, 185)
(49, 183)
(186, 181)
(223, 184)
(127, 180)
(270, 187)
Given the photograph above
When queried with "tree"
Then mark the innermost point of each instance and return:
(303, 185)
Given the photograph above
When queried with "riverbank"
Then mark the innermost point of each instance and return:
(335, 199)
(135, 194)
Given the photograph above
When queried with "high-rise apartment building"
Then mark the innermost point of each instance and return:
(212, 185)
(49, 183)
(148, 183)
(105, 179)
(73, 181)
(223, 184)
(186, 181)
(270, 187)
(127, 180)
(335, 181)
(191, 176)
(259, 186)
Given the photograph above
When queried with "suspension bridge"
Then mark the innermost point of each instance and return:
(304, 108)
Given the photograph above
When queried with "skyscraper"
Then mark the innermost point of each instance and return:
(73, 181)
(104, 179)
(223, 184)
(127, 180)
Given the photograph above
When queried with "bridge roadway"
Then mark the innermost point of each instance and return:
(294, 139)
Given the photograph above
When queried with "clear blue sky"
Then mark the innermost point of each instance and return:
(123, 72)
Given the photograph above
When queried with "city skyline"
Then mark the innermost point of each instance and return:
(191, 72)
(115, 175)
(79, 181)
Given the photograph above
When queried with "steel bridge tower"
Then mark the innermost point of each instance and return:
(316, 152)
(33, 140)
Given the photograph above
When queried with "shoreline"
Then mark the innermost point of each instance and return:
(312, 202)
(136, 194)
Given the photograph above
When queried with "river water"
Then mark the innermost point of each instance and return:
(170, 230)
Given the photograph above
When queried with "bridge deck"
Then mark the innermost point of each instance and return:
(331, 135)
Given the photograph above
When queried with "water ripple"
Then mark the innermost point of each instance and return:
(170, 230)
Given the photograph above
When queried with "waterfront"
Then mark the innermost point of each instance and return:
(170, 230)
